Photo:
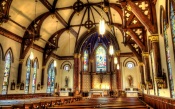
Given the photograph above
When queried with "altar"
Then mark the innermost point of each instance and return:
(64, 93)
(100, 92)
(131, 93)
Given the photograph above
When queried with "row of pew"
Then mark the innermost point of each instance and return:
(42, 103)
(104, 103)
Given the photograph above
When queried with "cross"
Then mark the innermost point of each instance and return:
(127, 15)
(143, 5)
(135, 21)
(138, 32)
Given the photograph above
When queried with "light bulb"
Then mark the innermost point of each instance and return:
(31, 55)
(115, 60)
(55, 63)
(111, 49)
(102, 27)
(118, 67)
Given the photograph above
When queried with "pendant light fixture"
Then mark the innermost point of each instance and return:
(31, 53)
(115, 60)
(111, 49)
(102, 22)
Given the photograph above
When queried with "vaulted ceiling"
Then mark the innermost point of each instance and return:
(64, 25)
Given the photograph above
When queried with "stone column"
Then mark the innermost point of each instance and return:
(142, 74)
(118, 73)
(76, 71)
(147, 67)
(157, 70)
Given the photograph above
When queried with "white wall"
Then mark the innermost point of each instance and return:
(134, 72)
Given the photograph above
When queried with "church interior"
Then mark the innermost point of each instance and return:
(87, 54)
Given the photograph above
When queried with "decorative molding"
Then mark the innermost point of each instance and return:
(129, 8)
(77, 55)
(154, 38)
(10, 35)
(141, 64)
(145, 54)
(21, 61)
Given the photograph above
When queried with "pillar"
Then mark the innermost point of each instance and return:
(76, 71)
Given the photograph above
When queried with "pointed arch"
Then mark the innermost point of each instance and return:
(51, 77)
(8, 61)
(37, 62)
(11, 53)
(1, 53)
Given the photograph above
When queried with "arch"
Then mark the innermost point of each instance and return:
(167, 53)
(87, 34)
(66, 63)
(8, 61)
(162, 17)
(11, 53)
(2, 57)
(126, 60)
(36, 60)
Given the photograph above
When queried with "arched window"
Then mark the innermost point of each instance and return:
(100, 59)
(28, 76)
(51, 78)
(7, 72)
(172, 21)
(168, 58)
(34, 76)
(86, 60)
(130, 65)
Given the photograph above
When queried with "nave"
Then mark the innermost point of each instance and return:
(74, 103)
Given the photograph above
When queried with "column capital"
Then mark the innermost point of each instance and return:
(77, 55)
(154, 38)
(21, 61)
(145, 54)
(43, 67)
(141, 64)
(118, 52)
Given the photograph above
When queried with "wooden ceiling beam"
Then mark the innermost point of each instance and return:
(134, 52)
(136, 39)
(142, 18)
(58, 16)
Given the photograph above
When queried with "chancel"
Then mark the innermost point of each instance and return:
(87, 54)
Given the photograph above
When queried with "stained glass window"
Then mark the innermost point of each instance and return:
(100, 59)
(129, 65)
(85, 60)
(6, 73)
(28, 76)
(168, 58)
(172, 19)
(51, 78)
(34, 77)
